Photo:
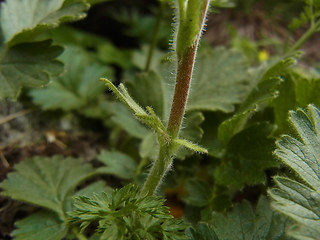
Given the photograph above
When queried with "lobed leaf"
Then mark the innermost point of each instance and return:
(219, 81)
(77, 87)
(263, 91)
(245, 223)
(246, 157)
(117, 164)
(46, 182)
(301, 200)
(296, 91)
(21, 18)
(28, 65)
(201, 232)
(40, 225)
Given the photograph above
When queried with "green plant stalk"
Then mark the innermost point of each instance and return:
(158, 170)
(305, 37)
(192, 15)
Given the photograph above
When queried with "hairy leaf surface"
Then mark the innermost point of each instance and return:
(243, 222)
(301, 200)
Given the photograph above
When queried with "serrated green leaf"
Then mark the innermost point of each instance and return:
(77, 87)
(300, 201)
(219, 80)
(20, 18)
(245, 223)
(246, 157)
(201, 232)
(95, 187)
(263, 91)
(41, 225)
(46, 182)
(117, 164)
(28, 65)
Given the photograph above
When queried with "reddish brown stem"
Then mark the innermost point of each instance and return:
(181, 91)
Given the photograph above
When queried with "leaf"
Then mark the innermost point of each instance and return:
(118, 164)
(149, 147)
(28, 65)
(139, 57)
(297, 91)
(310, 13)
(46, 182)
(300, 200)
(201, 232)
(147, 89)
(20, 18)
(219, 80)
(95, 187)
(263, 91)
(77, 87)
(192, 131)
(110, 54)
(199, 193)
(40, 225)
(121, 116)
(125, 214)
(245, 223)
(246, 157)
(190, 145)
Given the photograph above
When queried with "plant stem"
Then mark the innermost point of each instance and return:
(192, 15)
(186, 58)
(181, 91)
(313, 28)
(154, 38)
(158, 170)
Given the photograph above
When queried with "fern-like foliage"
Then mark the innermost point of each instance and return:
(310, 14)
(125, 214)
(300, 200)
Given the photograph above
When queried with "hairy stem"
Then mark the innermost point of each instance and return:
(158, 170)
(181, 91)
(192, 16)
